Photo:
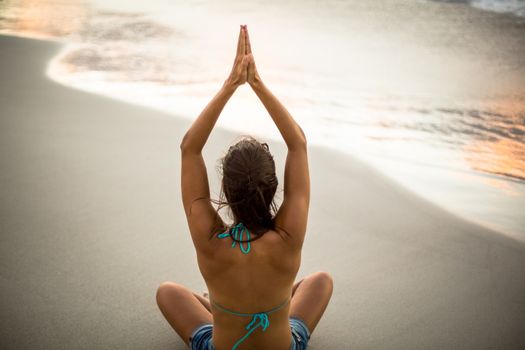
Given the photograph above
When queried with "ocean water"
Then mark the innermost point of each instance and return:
(430, 92)
(514, 7)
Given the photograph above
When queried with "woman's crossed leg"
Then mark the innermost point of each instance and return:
(185, 310)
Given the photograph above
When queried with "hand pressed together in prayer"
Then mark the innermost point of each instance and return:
(244, 69)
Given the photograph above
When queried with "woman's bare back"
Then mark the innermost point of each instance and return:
(251, 283)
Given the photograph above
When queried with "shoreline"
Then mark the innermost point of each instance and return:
(92, 223)
(457, 151)
(371, 161)
(364, 160)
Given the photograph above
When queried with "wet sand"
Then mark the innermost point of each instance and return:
(91, 223)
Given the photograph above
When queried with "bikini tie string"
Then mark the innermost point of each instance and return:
(258, 320)
(237, 232)
(262, 317)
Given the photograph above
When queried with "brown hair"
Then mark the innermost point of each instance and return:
(249, 184)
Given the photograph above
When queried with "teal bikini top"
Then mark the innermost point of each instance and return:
(259, 319)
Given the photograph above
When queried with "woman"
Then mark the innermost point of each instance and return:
(250, 267)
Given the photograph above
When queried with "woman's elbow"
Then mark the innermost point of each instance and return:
(304, 137)
(301, 142)
(184, 144)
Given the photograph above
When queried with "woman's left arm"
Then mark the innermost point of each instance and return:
(200, 214)
(197, 135)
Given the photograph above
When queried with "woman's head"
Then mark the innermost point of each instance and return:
(249, 184)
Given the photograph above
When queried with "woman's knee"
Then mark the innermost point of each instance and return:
(324, 280)
(168, 291)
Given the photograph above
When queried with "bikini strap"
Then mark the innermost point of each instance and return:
(271, 311)
(259, 319)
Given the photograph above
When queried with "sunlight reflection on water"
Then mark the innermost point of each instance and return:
(437, 100)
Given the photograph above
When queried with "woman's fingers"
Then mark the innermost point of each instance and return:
(240, 72)
(248, 45)
(245, 62)
(243, 73)
(251, 65)
(241, 43)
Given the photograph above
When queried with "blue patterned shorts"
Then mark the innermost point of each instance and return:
(201, 337)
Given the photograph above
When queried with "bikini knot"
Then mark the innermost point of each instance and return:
(263, 320)
(237, 233)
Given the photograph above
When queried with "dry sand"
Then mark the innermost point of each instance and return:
(91, 223)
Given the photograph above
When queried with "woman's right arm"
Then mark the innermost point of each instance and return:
(293, 213)
(291, 132)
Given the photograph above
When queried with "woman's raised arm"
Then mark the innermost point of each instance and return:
(201, 215)
(291, 132)
(293, 213)
(197, 135)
